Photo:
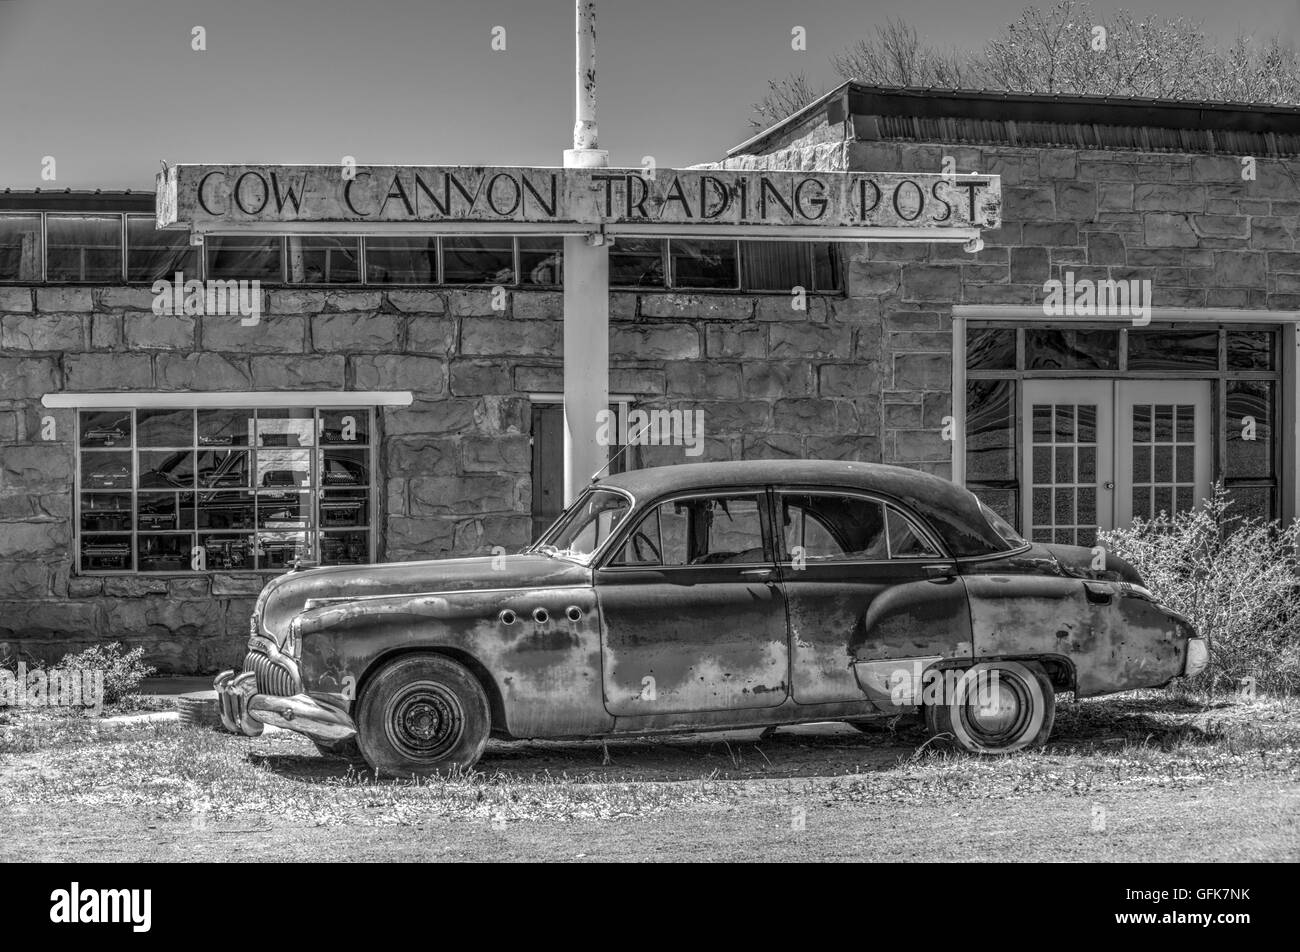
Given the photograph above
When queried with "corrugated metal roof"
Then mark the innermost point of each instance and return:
(1032, 119)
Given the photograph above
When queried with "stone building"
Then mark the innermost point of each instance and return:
(155, 469)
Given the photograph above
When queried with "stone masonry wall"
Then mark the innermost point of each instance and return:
(453, 468)
(1190, 224)
(866, 375)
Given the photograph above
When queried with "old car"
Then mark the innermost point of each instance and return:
(708, 596)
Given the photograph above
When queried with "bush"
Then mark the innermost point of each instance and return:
(123, 670)
(1237, 579)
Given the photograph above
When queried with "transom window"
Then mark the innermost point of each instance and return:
(109, 248)
(220, 490)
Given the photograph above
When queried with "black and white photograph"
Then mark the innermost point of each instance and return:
(614, 431)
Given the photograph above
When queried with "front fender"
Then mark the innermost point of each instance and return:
(543, 667)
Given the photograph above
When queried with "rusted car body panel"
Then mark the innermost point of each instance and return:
(564, 648)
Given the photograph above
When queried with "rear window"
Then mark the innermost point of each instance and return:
(1010, 536)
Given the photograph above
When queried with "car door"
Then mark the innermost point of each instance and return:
(864, 582)
(693, 617)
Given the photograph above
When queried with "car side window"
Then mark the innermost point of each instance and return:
(701, 530)
(906, 541)
(833, 528)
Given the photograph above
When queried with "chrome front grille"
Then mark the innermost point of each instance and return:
(273, 676)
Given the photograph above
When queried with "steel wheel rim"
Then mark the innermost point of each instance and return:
(424, 720)
(1011, 714)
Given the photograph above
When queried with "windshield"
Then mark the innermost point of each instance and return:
(584, 526)
(1009, 535)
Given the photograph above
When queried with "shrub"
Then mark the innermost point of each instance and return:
(123, 670)
(1236, 578)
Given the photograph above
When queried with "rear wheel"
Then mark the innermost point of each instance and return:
(995, 707)
(423, 715)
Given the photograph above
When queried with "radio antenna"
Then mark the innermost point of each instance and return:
(610, 462)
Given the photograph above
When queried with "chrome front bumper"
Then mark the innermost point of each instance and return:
(244, 711)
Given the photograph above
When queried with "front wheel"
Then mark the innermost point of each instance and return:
(995, 707)
(423, 715)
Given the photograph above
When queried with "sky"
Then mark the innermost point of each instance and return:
(110, 88)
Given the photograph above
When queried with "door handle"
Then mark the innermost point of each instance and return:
(940, 573)
(1108, 484)
(756, 573)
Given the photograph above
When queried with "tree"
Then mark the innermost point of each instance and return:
(1067, 49)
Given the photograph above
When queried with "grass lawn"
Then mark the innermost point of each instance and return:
(1148, 776)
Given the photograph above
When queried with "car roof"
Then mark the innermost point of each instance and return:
(953, 511)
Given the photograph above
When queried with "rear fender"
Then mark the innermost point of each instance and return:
(1115, 639)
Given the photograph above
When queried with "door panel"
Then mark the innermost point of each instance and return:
(1067, 469)
(1164, 436)
(693, 614)
(692, 639)
(857, 588)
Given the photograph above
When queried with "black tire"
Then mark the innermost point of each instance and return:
(422, 715)
(1025, 702)
(345, 750)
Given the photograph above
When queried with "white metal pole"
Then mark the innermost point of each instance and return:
(586, 287)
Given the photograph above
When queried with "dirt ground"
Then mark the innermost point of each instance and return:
(1146, 779)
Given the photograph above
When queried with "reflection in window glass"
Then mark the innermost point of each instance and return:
(541, 261)
(704, 264)
(402, 260)
(1251, 350)
(478, 259)
(205, 496)
(833, 528)
(245, 257)
(775, 265)
(906, 541)
(1250, 429)
(1071, 350)
(990, 430)
(165, 427)
(826, 266)
(153, 253)
(316, 259)
(637, 262)
(1252, 502)
(20, 248)
(83, 248)
(105, 428)
(1173, 350)
(990, 348)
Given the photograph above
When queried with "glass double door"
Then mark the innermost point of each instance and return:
(1100, 453)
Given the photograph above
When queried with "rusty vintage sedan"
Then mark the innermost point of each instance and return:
(702, 597)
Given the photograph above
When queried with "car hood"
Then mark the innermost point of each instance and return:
(288, 594)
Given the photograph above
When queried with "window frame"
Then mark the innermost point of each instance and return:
(605, 562)
(1220, 377)
(807, 263)
(925, 530)
(316, 488)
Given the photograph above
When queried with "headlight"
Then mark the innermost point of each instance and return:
(1198, 656)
